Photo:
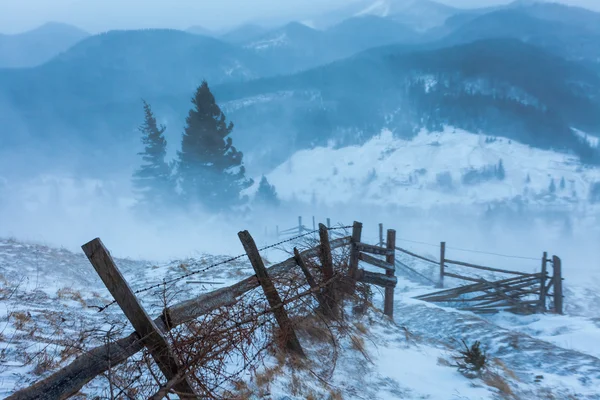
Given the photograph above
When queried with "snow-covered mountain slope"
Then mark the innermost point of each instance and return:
(420, 15)
(435, 169)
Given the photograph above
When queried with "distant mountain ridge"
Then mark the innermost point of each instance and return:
(35, 47)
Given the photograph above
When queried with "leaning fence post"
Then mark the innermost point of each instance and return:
(285, 324)
(144, 326)
(388, 305)
(381, 235)
(558, 292)
(442, 261)
(327, 264)
(356, 235)
(543, 282)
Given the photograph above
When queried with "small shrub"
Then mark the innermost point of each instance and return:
(472, 360)
(444, 180)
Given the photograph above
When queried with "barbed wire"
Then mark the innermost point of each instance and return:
(469, 250)
(166, 282)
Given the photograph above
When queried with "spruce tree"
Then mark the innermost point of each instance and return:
(552, 187)
(152, 182)
(500, 172)
(266, 194)
(210, 168)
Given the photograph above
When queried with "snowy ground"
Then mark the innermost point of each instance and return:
(541, 356)
(429, 171)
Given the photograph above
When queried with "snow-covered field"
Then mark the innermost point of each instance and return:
(47, 294)
(429, 170)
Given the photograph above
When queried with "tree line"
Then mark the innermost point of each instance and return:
(208, 171)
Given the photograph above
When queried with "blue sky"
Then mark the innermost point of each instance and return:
(99, 15)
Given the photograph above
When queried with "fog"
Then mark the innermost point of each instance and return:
(101, 15)
(67, 212)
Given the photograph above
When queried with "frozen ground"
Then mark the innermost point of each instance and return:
(47, 294)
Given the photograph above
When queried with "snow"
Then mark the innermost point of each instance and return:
(390, 170)
(590, 139)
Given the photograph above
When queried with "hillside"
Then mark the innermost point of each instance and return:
(500, 87)
(564, 37)
(449, 168)
(35, 47)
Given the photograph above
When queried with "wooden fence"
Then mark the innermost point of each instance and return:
(510, 290)
(150, 333)
(521, 292)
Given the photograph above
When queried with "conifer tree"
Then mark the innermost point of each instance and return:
(552, 188)
(210, 168)
(152, 182)
(266, 194)
(500, 172)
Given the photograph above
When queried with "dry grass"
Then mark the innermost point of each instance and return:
(496, 381)
(71, 294)
(43, 364)
(21, 320)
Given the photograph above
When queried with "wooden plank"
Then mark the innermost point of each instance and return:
(376, 279)
(558, 292)
(417, 256)
(70, 379)
(504, 271)
(381, 244)
(388, 301)
(356, 235)
(145, 327)
(376, 262)
(542, 305)
(329, 292)
(275, 302)
(442, 259)
(369, 248)
(464, 278)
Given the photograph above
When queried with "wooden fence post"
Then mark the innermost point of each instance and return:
(543, 283)
(388, 308)
(356, 235)
(381, 235)
(442, 261)
(558, 292)
(299, 225)
(144, 326)
(285, 324)
(329, 292)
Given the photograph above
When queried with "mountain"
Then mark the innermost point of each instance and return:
(501, 87)
(297, 47)
(244, 34)
(38, 46)
(420, 15)
(199, 30)
(123, 65)
(565, 38)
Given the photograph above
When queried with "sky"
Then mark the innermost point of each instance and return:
(101, 15)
